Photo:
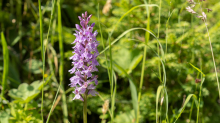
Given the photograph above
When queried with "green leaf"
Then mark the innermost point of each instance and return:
(127, 117)
(198, 69)
(185, 103)
(25, 93)
(134, 95)
(159, 89)
(16, 40)
(136, 60)
(127, 59)
(20, 113)
(132, 87)
(34, 66)
(4, 116)
(6, 61)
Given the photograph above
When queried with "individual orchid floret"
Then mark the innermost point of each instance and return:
(191, 2)
(203, 17)
(77, 95)
(189, 9)
(84, 59)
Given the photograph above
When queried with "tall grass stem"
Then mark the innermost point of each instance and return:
(108, 70)
(48, 33)
(61, 67)
(42, 55)
(147, 36)
(200, 93)
(213, 57)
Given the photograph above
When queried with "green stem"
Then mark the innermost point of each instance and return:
(141, 82)
(108, 69)
(5, 63)
(213, 57)
(25, 107)
(197, 120)
(61, 67)
(191, 112)
(43, 58)
(147, 37)
(0, 5)
(103, 45)
(1, 16)
(51, 22)
(85, 109)
(158, 48)
(202, 78)
(191, 109)
(111, 78)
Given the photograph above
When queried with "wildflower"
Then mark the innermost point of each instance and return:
(84, 59)
(189, 9)
(203, 17)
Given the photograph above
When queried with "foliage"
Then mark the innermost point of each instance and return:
(183, 38)
(25, 93)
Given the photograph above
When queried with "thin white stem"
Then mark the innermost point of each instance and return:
(213, 58)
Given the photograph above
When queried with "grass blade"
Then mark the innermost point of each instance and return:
(109, 39)
(51, 109)
(159, 89)
(143, 5)
(124, 33)
(198, 69)
(50, 23)
(184, 105)
(162, 51)
(213, 57)
(113, 88)
(64, 106)
(166, 99)
(203, 79)
(147, 37)
(42, 55)
(113, 94)
(103, 45)
(111, 79)
(132, 87)
(49, 60)
(5, 62)
(134, 96)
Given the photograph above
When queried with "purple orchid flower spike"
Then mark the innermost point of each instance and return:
(84, 59)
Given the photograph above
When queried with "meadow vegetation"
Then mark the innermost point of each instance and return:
(159, 61)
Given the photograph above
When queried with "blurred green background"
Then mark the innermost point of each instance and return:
(187, 42)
